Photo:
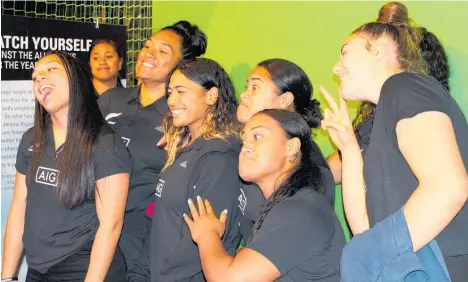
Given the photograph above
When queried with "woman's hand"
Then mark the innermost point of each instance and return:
(337, 122)
(204, 220)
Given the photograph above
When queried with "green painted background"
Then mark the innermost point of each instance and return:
(241, 34)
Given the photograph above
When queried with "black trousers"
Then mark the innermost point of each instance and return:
(458, 268)
(75, 267)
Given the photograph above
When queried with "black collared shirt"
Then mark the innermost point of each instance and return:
(51, 232)
(140, 128)
(208, 168)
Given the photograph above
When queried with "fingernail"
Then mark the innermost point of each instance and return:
(189, 201)
(225, 211)
(184, 215)
(198, 198)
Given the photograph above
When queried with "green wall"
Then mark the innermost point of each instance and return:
(241, 34)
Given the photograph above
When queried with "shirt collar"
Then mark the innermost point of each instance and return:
(196, 145)
(160, 104)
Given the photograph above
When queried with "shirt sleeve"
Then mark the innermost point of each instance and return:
(24, 152)
(406, 95)
(111, 157)
(295, 230)
(215, 178)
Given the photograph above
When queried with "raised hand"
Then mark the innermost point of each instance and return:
(337, 122)
(204, 220)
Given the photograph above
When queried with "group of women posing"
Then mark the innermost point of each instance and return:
(142, 184)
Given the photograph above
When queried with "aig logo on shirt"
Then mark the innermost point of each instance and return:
(47, 176)
(242, 201)
(159, 188)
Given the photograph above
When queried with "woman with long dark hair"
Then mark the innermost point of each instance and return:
(435, 59)
(136, 114)
(105, 61)
(278, 84)
(297, 236)
(71, 183)
(417, 158)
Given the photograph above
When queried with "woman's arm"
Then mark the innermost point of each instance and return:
(354, 189)
(428, 144)
(338, 124)
(334, 162)
(206, 230)
(13, 245)
(111, 199)
(248, 265)
(278, 246)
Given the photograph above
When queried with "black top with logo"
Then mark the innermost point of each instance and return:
(140, 128)
(51, 232)
(208, 168)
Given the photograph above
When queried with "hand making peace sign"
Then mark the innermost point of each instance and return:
(337, 122)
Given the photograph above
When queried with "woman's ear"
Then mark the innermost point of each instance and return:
(211, 96)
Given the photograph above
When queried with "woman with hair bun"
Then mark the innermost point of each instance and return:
(412, 183)
(435, 60)
(136, 115)
(278, 84)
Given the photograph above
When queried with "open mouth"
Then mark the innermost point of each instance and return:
(45, 90)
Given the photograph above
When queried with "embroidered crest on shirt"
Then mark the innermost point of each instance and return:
(242, 201)
(159, 188)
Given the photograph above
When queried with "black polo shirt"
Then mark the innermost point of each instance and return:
(140, 128)
(52, 233)
(389, 180)
(208, 168)
(302, 237)
(251, 199)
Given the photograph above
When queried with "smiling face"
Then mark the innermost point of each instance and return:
(158, 57)
(105, 62)
(51, 84)
(261, 94)
(188, 101)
